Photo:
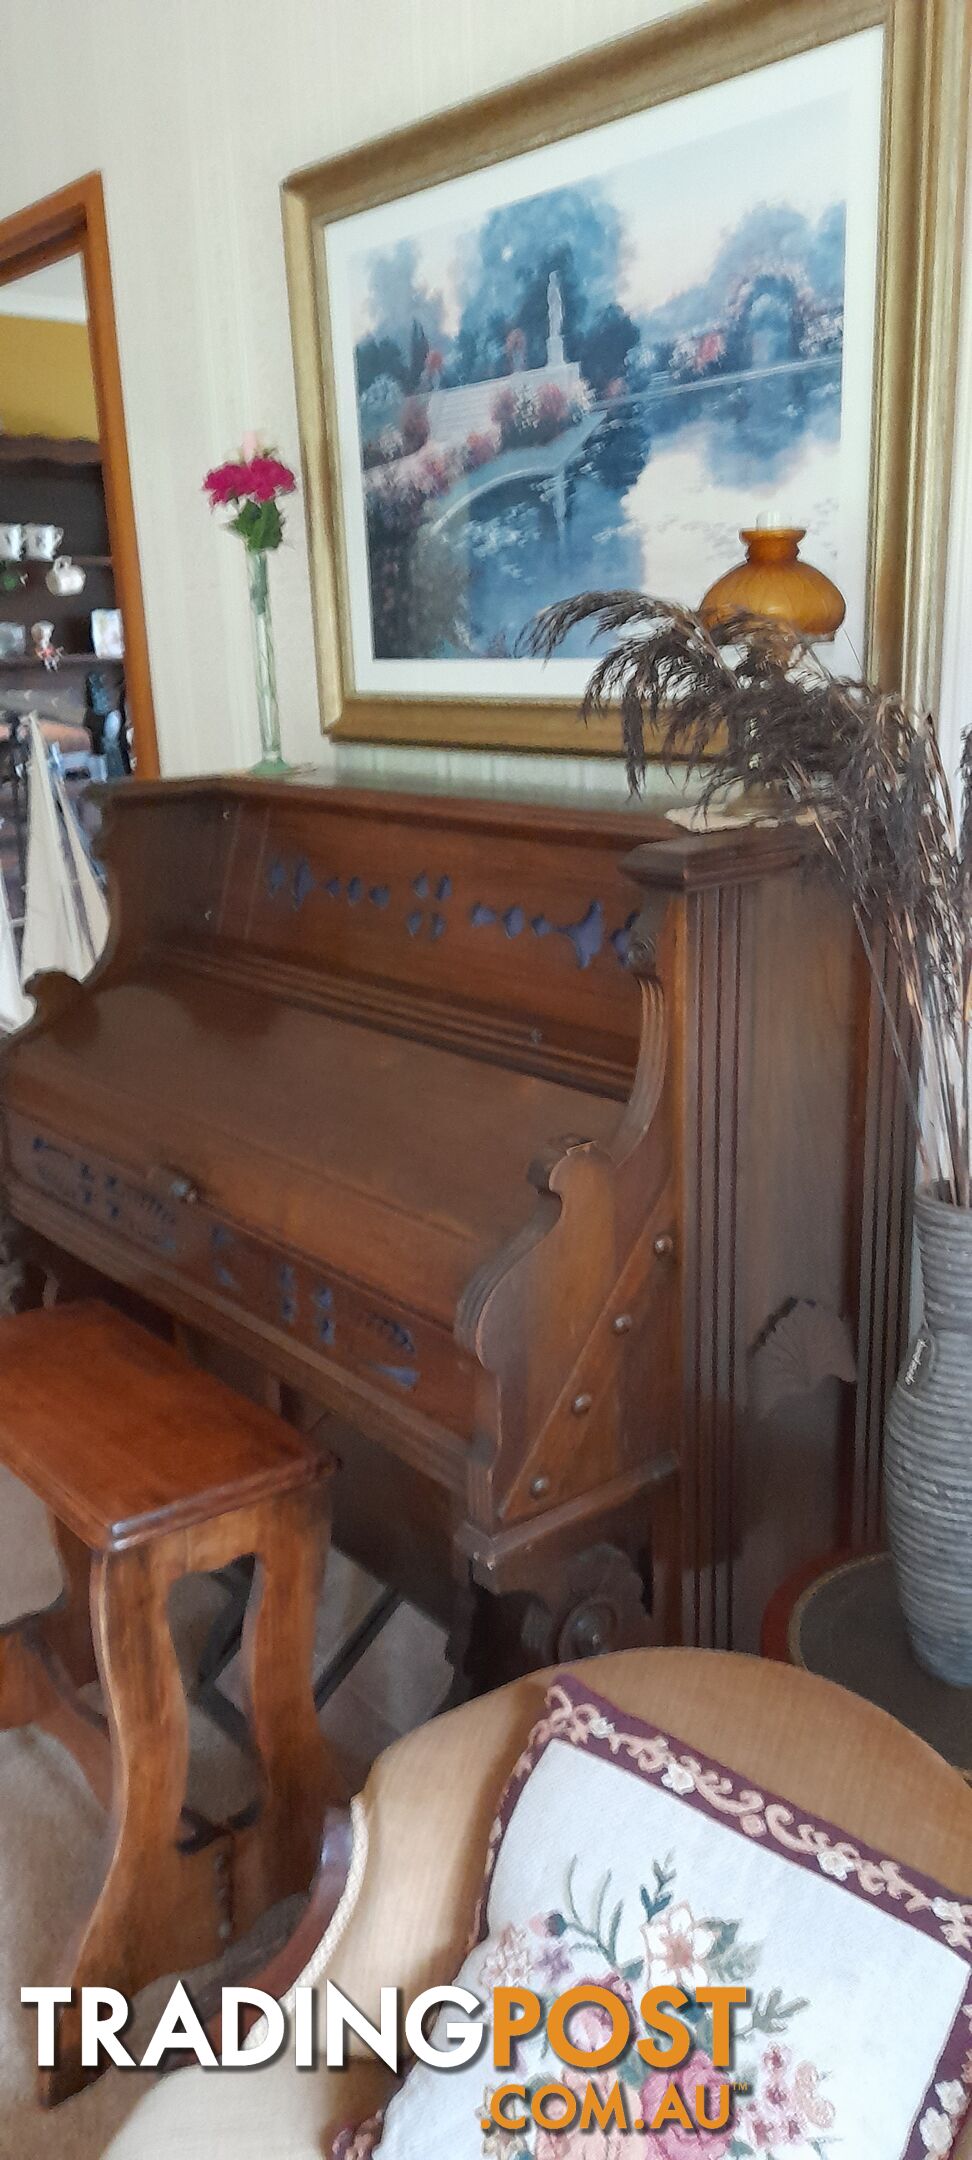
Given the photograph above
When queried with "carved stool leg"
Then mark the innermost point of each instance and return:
(278, 1856)
(20, 1692)
(64, 1628)
(67, 1628)
(145, 1920)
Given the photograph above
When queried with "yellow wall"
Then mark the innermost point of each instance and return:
(46, 387)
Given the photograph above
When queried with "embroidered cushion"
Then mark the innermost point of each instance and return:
(622, 1857)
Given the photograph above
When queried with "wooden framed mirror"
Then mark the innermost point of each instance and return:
(72, 223)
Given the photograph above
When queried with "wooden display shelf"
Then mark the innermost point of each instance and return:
(15, 661)
(24, 564)
(48, 450)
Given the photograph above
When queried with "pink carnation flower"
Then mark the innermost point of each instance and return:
(225, 484)
(264, 477)
(259, 476)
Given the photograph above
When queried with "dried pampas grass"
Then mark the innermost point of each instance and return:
(749, 700)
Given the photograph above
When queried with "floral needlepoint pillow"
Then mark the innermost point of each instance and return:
(816, 1995)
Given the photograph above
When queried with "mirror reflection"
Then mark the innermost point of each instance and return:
(61, 632)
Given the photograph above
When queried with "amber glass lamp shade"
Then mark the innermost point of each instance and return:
(774, 582)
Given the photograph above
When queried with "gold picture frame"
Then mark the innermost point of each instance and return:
(927, 46)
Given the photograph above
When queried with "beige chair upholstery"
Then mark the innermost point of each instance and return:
(430, 1803)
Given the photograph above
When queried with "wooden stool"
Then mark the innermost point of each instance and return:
(152, 1470)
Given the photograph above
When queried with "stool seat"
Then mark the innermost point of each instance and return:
(120, 1437)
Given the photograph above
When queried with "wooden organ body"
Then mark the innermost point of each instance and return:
(499, 1145)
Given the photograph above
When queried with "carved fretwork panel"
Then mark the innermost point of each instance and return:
(421, 907)
(466, 916)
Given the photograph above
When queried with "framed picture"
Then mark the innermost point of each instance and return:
(577, 335)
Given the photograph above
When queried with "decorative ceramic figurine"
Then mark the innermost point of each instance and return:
(42, 639)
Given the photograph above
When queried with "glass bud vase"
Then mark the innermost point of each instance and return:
(271, 759)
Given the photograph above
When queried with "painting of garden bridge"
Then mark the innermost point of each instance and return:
(598, 384)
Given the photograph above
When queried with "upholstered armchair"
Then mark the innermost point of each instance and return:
(425, 1819)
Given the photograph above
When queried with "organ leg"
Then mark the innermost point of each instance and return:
(562, 1607)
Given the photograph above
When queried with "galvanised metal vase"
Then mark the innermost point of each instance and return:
(928, 1458)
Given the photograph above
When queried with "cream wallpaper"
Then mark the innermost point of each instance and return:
(194, 111)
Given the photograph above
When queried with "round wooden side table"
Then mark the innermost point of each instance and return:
(840, 1617)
